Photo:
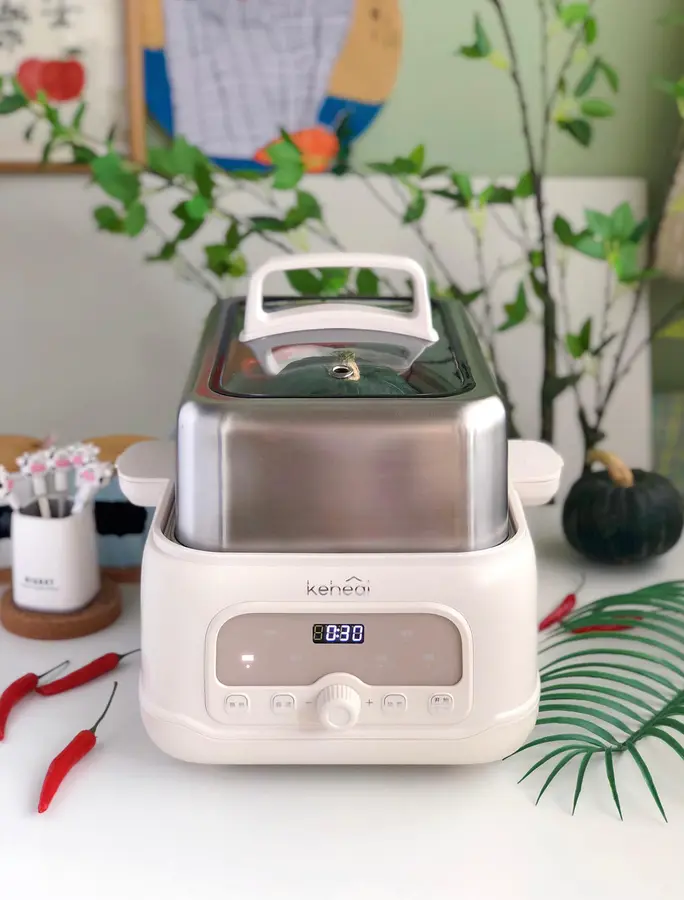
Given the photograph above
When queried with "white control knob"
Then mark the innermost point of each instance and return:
(338, 707)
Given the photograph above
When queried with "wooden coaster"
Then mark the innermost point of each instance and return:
(103, 611)
(124, 575)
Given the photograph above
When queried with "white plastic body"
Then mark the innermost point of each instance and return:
(332, 322)
(55, 566)
(187, 595)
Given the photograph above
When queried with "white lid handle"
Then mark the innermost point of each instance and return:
(331, 322)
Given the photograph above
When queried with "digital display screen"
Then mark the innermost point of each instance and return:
(346, 633)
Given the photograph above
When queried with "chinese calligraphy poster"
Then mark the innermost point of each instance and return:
(72, 51)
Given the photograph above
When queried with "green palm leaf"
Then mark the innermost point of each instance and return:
(603, 693)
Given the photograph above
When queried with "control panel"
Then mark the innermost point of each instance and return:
(339, 672)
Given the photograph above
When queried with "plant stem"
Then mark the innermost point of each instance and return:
(544, 73)
(197, 273)
(544, 283)
(489, 329)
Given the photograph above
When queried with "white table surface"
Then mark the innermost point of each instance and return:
(132, 823)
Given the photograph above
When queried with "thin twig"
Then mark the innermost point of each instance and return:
(197, 273)
(608, 302)
(507, 230)
(648, 340)
(544, 79)
(549, 321)
(565, 67)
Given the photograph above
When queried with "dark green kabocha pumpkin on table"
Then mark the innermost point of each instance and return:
(620, 515)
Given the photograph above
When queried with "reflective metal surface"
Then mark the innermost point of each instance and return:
(342, 474)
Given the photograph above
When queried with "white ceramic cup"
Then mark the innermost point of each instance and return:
(55, 565)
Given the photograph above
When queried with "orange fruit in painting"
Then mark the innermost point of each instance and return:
(318, 146)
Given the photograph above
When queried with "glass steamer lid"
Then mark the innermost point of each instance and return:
(289, 347)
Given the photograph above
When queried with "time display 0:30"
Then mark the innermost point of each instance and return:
(346, 633)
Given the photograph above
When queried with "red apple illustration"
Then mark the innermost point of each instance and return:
(63, 79)
(29, 76)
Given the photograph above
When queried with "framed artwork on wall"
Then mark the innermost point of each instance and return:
(71, 50)
(230, 75)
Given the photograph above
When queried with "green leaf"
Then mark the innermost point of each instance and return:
(204, 181)
(589, 246)
(431, 171)
(494, 195)
(28, 134)
(558, 691)
(464, 185)
(599, 224)
(108, 219)
(136, 219)
(610, 75)
(11, 103)
(549, 756)
(525, 186)
(553, 387)
(536, 259)
(570, 708)
(610, 772)
(590, 31)
(597, 109)
(166, 253)
(623, 223)
(666, 738)
(581, 772)
(267, 223)
(82, 155)
(197, 207)
(481, 47)
(551, 738)
(116, 179)
(308, 206)
(586, 82)
(399, 166)
(606, 671)
(367, 283)
(415, 209)
(643, 768)
(417, 157)
(579, 129)
(304, 281)
(627, 266)
(233, 238)
(556, 771)
(287, 161)
(580, 343)
(517, 311)
(563, 231)
(333, 281)
(77, 120)
(640, 232)
(573, 13)
(288, 176)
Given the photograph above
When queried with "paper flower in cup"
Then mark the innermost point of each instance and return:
(36, 466)
(90, 480)
(7, 484)
(83, 454)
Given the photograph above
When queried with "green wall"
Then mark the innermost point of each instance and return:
(465, 113)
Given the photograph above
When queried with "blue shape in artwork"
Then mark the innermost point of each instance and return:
(358, 115)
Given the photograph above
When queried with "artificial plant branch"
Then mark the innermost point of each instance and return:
(197, 274)
(558, 85)
(663, 322)
(544, 78)
(490, 328)
(543, 284)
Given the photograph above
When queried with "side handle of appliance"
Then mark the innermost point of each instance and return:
(332, 322)
(145, 469)
(534, 471)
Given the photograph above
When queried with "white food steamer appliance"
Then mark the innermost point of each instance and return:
(339, 569)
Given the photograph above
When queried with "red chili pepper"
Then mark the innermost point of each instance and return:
(564, 608)
(587, 629)
(72, 754)
(18, 690)
(95, 669)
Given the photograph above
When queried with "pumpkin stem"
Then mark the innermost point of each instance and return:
(618, 472)
(347, 368)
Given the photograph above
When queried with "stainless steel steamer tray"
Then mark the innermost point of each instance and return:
(341, 426)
